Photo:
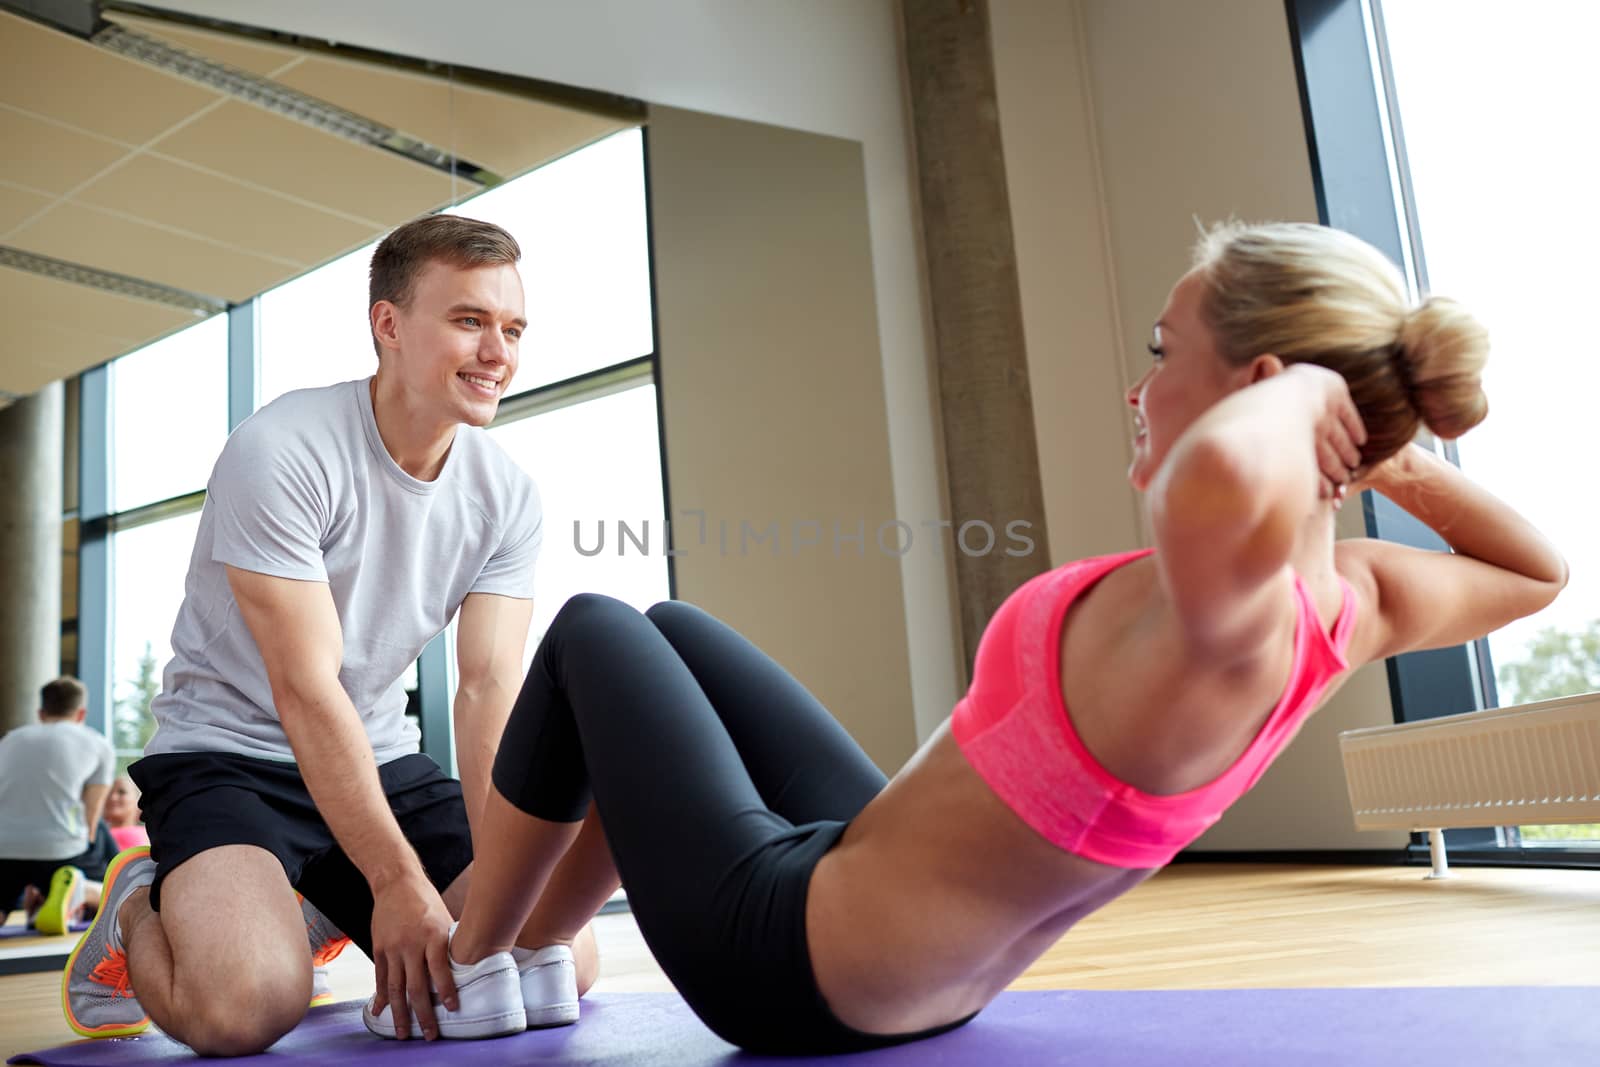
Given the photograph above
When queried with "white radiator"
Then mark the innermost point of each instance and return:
(1532, 764)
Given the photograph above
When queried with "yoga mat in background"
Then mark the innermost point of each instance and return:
(1436, 1027)
(18, 930)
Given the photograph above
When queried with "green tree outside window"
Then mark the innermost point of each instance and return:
(132, 723)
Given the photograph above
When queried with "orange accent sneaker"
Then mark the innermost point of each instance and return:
(326, 941)
(95, 995)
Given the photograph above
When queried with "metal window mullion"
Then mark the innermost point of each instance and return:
(433, 692)
(579, 389)
(244, 360)
(655, 357)
(94, 543)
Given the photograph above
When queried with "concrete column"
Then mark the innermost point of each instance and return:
(30, 551)
(986, 406)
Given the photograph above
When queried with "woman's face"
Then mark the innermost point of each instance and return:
(122, 804)
(1187, 377)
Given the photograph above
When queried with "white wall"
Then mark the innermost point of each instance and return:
(772, 398)
(824, 66)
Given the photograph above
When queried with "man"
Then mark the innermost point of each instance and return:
(342, 530)
(54, 775)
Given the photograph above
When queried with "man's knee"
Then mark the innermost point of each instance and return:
(248, 1015)
(241, 967)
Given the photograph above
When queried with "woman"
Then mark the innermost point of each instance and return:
(121, 814)
(1118, 706)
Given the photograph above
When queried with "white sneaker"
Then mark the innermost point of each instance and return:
(549, 985)
(488, 994)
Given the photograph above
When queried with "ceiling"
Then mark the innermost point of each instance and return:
(198, 199)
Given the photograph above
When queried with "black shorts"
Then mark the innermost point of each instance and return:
(194, 801)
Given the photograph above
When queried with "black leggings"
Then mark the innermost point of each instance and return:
(17, 875)
(720, 781)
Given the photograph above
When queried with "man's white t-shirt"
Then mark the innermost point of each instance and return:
(305, 489)
(44, 769)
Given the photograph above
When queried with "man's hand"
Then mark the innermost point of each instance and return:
(410, 944)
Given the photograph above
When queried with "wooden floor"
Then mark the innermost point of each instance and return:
(1192, 926)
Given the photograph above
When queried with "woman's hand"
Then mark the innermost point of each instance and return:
(1398, 467)
(1337, 430)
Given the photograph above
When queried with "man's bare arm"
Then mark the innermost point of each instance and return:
(94, 804)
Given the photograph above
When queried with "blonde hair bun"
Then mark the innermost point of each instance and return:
(1441, 352)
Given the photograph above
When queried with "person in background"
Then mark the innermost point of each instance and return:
(54, 776)
(122, 814)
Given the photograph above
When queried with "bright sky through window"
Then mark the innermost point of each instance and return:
(1497, 105)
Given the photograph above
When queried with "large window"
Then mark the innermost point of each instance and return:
(148, 564)
(581, 224)
(598, 465)
(166, 420)
(585, 259)
(1468, 162)
(1502, 184)
(169, 415)
(315, 331)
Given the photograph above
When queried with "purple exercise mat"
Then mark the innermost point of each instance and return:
(18, 930)
(1449, 1027)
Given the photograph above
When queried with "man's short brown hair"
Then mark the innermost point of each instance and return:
(62, 698)
(461, 242)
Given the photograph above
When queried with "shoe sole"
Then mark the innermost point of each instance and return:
(552, 1015)
(130, 1029)
(52, 917)
(461, 1029)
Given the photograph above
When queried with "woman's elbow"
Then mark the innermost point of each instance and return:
(1553, 587)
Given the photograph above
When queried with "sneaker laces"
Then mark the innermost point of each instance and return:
(112, 970)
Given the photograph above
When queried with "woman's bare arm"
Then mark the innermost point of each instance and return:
(1232, 497)
(1500, 568)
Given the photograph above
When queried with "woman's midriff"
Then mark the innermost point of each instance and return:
(938, 896)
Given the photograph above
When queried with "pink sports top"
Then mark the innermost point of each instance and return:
(1014, 729)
